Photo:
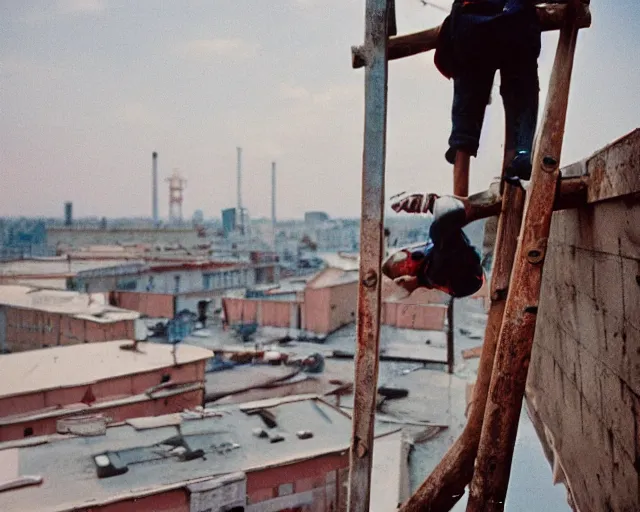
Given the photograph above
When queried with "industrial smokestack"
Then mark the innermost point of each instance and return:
(273, 193)
(154, 187)
(68, 213)
(239, 180)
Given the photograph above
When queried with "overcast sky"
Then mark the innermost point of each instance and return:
(89, 88)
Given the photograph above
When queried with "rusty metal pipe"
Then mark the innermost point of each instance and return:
(371, 253)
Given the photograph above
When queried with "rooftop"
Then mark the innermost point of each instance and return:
(77, 365)
(55, 266)
(227, 440)
(333, 277)
(88, 306)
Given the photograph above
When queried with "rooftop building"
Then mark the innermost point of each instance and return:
(35, 318)
(40, 387)
(270, 455)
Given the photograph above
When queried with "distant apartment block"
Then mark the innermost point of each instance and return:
(315, 217)
(80, 236)
(20, 238)
(188, 282)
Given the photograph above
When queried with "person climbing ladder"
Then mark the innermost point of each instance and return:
(478, 38)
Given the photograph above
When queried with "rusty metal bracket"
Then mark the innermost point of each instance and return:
(370, 279)
(537, 252)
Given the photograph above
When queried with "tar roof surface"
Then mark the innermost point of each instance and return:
(75, 365)
(69, 472)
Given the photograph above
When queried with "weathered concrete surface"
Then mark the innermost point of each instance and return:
(584, 378)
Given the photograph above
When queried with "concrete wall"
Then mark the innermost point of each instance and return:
(584, 379)
(273, 313)
(29, 329)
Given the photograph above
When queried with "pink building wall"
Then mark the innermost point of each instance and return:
(326, 309)
(127, 385)
(274, 313)
(29, 329)
(329, 308)
(117, 413)
(324, 476)
(152, 304)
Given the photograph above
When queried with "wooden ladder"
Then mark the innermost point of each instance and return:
(482, 454)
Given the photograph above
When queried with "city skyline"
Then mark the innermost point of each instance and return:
(91, 88)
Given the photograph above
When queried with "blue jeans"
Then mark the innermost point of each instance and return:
(483, 44)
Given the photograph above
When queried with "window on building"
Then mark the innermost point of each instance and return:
(285, 489)
(176, 284)
(207, 281)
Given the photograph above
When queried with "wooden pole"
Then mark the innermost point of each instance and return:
(493, 464)
(551, 16)
(371, 252)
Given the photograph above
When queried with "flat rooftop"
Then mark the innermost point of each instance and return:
(56, 266)
(227, 440)
(81, 305)
(77, 365)
(333, 277)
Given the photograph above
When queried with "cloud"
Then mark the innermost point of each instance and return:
(82, 6)
(205, 49)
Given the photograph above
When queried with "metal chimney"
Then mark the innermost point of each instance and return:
(239, 186)
(68, 213)
(154, 187)
(239, 179)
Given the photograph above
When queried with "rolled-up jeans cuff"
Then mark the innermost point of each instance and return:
(470, 148)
